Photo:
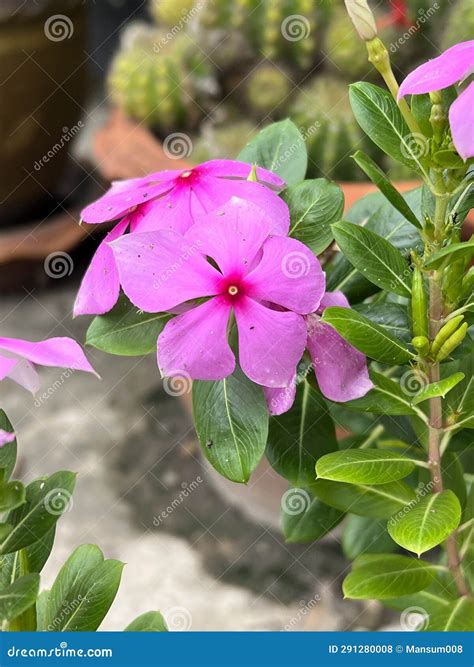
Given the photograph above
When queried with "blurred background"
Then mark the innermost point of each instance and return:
(95, 91)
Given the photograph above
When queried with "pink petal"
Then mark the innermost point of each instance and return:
(288, 275)
(271, 343)
(6, 437)
(461, 122)
(280, 399)
(340, 369)
(441, 72)
(60, 352)
(236, 169)
(331, 299)
(119, 199)
(212, 193)
(172, 211)
(194, 344)
(25, 374)
(159, 270)
(100, 287)
(232, 235)
(6, 366)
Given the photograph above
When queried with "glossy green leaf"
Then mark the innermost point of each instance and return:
(452, 252)
(368, 337)
(392, 316)
(314, 205)
(300, 436)
(18, 597)
(35, 555)
(377, 176)
(379, 116)
(379, 501)
(280, 147)
(427, 523)
(456, 617)
(12, 494)
(365, 535)
(440, 388)
(126, 331)
(305, 518)
(386, 576)
(387, 397)
(150, 621)
(364, 466)
(46, 500)
(231, 419)
(7, 452)
(377, 259)
(83, 591)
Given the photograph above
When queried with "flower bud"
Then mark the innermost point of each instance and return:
(418, 305)
(421, 345)
(362, 18)
(453, 342)
(445, 334)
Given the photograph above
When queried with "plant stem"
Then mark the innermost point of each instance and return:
(435, 432)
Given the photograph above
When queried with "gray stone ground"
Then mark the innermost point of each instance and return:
(205, 563)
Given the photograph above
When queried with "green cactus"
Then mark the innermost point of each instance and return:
(151, 80)
(323, 113)
(267, 90)
(171, 13)
(460, 24)
(222, 141)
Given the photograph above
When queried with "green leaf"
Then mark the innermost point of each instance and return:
(387, 397)
(378, 502)
(421, 109)
(365, 535)
(231, 419)
(46, 500)
(280, 147)
(126, 331)
(461, 399)
(377, 259)
(364, 466)
(451, 252)
(300, 436)
(35, 556)
(305, 518)
(379, 116)
(83, 591)
(392, 316)
(440, 388)
(18, 597)
(456, 617)
(368, 337)
(150, 621)
(7, 452)
(426, 523)
(314, 205)
(381, 180)
(12, 494)
(432, 600)
(386, 576)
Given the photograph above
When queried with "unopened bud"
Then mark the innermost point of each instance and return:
(253, 174)
(362, 18)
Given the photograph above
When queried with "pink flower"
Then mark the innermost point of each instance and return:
(449, 68)
(169, 200)
(6, 437)
(340, 369)
(19, 357)
(268, 282)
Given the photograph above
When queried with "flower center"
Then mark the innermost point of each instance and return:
(233, 290)
(186, 174)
